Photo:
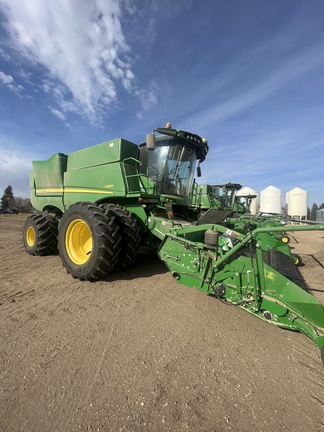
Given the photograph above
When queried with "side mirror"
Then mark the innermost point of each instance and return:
(150, 141)
(198, 171)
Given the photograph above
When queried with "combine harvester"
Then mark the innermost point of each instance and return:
(98, 205)
(234, 213)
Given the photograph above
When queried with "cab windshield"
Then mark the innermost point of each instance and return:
(169, 167)
(225, 195)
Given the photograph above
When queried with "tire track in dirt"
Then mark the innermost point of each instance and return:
(136, 351)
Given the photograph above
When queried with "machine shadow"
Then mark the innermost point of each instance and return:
(147, 264)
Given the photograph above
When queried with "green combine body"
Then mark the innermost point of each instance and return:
(99, 205)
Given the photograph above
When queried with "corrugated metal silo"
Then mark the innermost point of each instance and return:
(296, 203)
(271, 200)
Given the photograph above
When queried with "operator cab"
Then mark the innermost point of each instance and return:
(225, 194)
(170, 167)
(243, 203)
(169, 161)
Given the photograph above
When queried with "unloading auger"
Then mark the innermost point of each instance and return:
(245, 270)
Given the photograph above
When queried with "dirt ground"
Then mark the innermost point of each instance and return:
(138, 352)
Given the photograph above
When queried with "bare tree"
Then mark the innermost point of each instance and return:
(21, 205)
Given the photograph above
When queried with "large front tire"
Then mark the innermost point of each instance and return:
(88, 241)
(40, 234)
(130, 234)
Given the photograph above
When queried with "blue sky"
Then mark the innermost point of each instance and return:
(248, 75)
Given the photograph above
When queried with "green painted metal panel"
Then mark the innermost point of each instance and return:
(108, 152)
(94, 183)
(47, 176)
(46, 182)
(47, 203)
(94, 174)
(203, 195)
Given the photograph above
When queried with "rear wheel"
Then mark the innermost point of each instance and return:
(88, 241)
(40, 234)
(130, 234)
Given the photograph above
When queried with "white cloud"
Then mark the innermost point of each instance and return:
(6, 79)
(148, 97)
(15, 88)
(81, 44)
(57, 113)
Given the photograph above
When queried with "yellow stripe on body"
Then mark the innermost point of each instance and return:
(71, 190)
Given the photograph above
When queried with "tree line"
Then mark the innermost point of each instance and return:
(311, 213)
(12, 204)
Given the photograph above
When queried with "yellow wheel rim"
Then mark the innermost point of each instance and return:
(78, 242)
(30, 236)
(285, 239)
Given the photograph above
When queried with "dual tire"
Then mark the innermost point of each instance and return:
(88, 241)
(130, 235)
(92, 239)
(40, 234)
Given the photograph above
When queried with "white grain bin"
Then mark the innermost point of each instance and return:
(296, 203)
(271, 200)
(245, 195)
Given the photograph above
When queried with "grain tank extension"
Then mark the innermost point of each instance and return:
(99, 205)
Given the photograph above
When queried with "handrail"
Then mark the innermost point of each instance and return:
(128, 176)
